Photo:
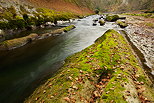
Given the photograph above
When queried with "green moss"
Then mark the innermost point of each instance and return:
(147, 15)
(16, 23)
(151, 25)
(122, 24)
(3, 25)
(112, 18)
(106, 57)
(40, 17)
(56, 15)
(68, 28)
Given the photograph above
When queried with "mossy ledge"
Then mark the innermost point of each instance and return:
(105, 72)
(18, 42)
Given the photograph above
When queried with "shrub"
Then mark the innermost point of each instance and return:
(3, 25)
(25, 17)
(16, 23)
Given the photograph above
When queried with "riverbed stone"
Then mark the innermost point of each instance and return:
(112, 18)
(122, 24)
(101, 22)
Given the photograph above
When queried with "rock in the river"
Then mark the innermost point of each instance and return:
(122, 17)
(122, 24)
(18, 42)
(101, 22)
(94, 24)
(112, 18)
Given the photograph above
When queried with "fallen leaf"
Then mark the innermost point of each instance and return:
(51, 96)
(67, 99)
(96, 94)
(44, 91)
(81, 71)
(75, 87)
(70, 78)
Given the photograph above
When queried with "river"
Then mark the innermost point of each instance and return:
(25, 68)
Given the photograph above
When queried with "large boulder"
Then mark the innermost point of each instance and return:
(122, 24)
(112, 18)
(18, 42)
(68, 28)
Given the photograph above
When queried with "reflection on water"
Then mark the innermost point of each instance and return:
(9, 36)
(22, 69)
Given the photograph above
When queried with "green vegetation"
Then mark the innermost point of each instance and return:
(147, 15)
(18, 42)
(122, 24)
(112, 18)
(149, 24)
(149, 11)
(68, 28)
(104, 73)
(12, 20)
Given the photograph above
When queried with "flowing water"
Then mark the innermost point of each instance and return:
(24, 68)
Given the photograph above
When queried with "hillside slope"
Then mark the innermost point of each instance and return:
(88, 6)
(127, 5)
(60, 5)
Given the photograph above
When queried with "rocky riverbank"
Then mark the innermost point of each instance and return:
(18, 42)
(107, 71)
(141, 33)
(16, 17)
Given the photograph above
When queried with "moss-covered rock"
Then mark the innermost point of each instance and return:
(94, 24)
(122, 24)
(101, 22)
(68, 28)
(112, 18)
(21, 17)
(18, 42)
(105, 72)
